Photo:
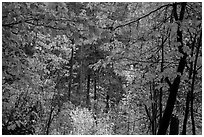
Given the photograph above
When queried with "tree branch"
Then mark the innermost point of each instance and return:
(43, 25)
(18, 22)
(168, 81)
(148, 114)
(142, 61)
(128, 23)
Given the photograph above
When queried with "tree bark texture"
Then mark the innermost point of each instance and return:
(174, 125)
(164, 123)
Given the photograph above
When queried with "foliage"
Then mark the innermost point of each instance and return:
(83, 121)
(110, 68)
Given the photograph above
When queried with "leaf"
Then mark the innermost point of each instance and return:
(11, 127)
(186, 49)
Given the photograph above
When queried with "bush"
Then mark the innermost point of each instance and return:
(104, 126)
(83, 121)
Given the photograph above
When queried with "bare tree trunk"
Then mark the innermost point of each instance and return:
(164, 123)
(49, 120)
(174, 126)
(186, 113)
(154, 113)
(107, 101)
(188, 94)
(80, 91)
(70, 73)
(193, 83)
(192, 116)
(95, 86)
(152, 118)
(161, 92)
(95, 97)
(88, 91)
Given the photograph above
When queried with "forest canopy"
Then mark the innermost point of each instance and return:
(101, 68)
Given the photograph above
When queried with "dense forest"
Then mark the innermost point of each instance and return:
(101, 68)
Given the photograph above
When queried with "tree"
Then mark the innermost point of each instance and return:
(120, 68)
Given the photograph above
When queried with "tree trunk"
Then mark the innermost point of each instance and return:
(192, 116)
(107, 98)
(174, 126)
(95, 97)
(70, 73)
(186, 114)
(188, 94)
(193, 83)
(154, 110)
(107, 101)
(164, 123)
(80, 91)
(153, 118)
(161, 92)
(95, 88)
(88, 91)
(49, 120)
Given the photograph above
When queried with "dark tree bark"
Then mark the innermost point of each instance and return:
(49, 120)
(193, 83)
(188, 94)
(173, 88)
(153, 118)
(107, 101)
(95, 86)
(88, 91)
(154, 109)
(174, 126)
(107, 98)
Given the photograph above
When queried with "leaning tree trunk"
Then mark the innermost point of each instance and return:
(188, 94)
(164, 123)
(193, 83)
(49, 120)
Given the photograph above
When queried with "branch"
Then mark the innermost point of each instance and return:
(199, 68)
(18, 22)
(142, 61)
(43, 25)
(146, 109)
(128, 23)
(168, 81)
(28, 21)
(175, 11)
